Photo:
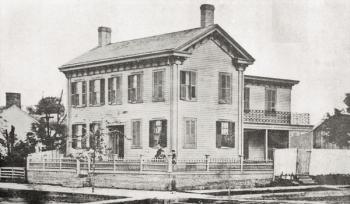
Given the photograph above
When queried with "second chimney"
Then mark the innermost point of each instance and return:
(104, 36)
(207, 15)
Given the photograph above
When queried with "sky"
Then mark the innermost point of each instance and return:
(301, 40)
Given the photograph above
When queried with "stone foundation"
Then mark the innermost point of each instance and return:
(153, 180)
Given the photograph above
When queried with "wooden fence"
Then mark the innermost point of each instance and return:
(12, 174)
(149, 165)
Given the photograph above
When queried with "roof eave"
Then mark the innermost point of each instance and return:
(272, 80)
(128, 58)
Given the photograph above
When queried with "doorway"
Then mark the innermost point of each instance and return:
(116, 134)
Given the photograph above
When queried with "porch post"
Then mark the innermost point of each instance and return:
(240, 69)
(266, 144)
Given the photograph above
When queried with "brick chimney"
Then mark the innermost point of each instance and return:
(13, 99)
(104, 36)
(207, 15)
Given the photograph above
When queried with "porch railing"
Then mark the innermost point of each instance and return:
(149, 165)
(276, 117)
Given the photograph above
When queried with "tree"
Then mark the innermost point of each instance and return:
(51, 131)
(347, 102)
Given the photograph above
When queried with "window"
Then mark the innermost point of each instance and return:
(158, 84)
(157, 133)
(225, 134)
(94, 139)
(136, 133)
(188, 80)
(114, 90)
(97, 92)
(74, 94)
(270, 100)
(78, 135)
(246, 99)
(134, 88)
(224, 88)
(190, 133)
(78, 93)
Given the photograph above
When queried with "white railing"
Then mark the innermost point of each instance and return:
(150, 165)
(276, 117)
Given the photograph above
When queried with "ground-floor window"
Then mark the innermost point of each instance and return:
(190, 133)
(136, 133)
(157, 133)
(78, 133)
(225, 134)
(94, 139)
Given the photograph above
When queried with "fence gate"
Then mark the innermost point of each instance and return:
(303, 161)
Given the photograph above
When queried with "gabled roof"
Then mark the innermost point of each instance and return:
(16, 108)
(174, 42)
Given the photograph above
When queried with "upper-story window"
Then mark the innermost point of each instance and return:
(225, 96)
(114, 90)
(78, 93)
(157, 133)
(158, 85)
(188, 81)
(97, 92)
(190, 133)
(246, 99)
(135, 88)
(225, 134)
(270, 100)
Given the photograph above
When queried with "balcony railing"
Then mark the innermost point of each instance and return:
(276, 117)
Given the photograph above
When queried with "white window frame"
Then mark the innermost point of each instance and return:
(227, 90)
(157, 85)
(186, 89)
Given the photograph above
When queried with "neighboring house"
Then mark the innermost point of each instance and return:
(13, 115)
(333, 132)
(183, 91)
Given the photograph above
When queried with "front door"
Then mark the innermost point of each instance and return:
(117, 139)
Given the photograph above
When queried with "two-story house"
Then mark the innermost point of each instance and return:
(183, 91)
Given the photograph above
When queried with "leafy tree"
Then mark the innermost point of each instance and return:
(347, 102)
(51, 131)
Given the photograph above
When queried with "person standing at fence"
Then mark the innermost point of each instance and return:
(173, 157)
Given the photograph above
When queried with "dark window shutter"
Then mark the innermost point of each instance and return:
(163, 134)
(151, 131)
(218, 134)
(182, 85)
(102, 91)
(220, 88)
(231, 129)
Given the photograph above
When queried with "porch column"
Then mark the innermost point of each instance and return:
(173, 122)
(266, 144)
(69, 128)
(240, 69)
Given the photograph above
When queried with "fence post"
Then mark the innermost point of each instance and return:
(170, 164)
(141, 162)
(44, 161)
(241, 156)
(27, 163)
(89, 164)
(12, 173)
(114, 165)
(78, 166)
(207, 162)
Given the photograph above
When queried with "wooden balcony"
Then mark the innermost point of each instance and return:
(276, 117)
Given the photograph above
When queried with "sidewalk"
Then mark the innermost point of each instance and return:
(134, 194)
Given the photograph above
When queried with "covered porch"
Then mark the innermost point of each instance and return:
(259, 143)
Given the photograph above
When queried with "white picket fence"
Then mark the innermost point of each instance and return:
(149, 165)
(12, 173)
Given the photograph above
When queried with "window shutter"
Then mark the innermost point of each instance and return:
(155, 88)
(139, 88)
(163, 134)
(102, 91)
(91, 90)
(182, 85)
(130, 86)
(110, 88)
(218, 134)
(193, 82)
(231, 132)
(266, 99)
(118, 83)
(151, 131)
(83, 87)
(220, 88)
